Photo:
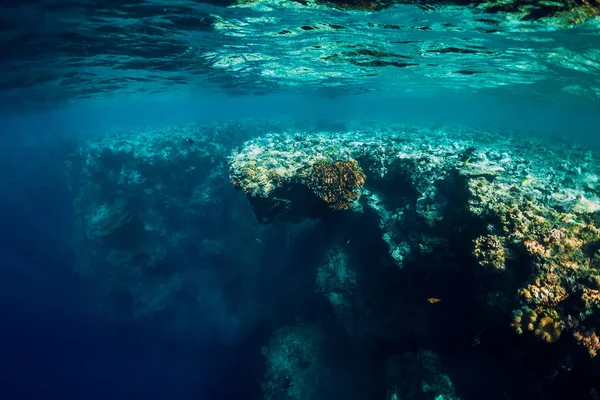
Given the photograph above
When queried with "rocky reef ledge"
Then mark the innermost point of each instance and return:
(381, 262)
(515, 217)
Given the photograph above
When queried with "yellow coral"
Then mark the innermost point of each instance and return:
(548, 330)
(524, 320)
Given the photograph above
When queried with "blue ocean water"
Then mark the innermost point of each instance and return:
(136, 110)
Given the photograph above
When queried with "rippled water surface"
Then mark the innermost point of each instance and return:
(54, 51)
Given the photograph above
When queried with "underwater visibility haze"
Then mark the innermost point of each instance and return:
(300, 199)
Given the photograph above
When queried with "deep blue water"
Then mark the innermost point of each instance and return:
(54, 342)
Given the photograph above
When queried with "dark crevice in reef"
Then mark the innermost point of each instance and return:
(396, 187)
(291, 202)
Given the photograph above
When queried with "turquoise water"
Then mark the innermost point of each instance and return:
(299, 200)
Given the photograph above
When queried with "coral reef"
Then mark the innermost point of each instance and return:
(524, 222)
(504, 238)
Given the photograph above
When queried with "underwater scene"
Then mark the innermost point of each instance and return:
(300, 199)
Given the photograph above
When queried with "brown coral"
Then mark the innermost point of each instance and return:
(337, 183)
(490, 252)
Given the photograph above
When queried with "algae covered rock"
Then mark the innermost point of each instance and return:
(149, 205)
(418, 376)
(107, 219)
(295, 368)
(337, 281)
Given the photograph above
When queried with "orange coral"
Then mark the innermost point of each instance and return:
(591, 298)
(337, 183)
(535, 248)
(589, 340)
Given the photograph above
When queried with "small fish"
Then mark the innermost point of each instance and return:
(467, 161)
(259, 241)
(190, 141)
(528, 180)
(348, 242)
(433, 300)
